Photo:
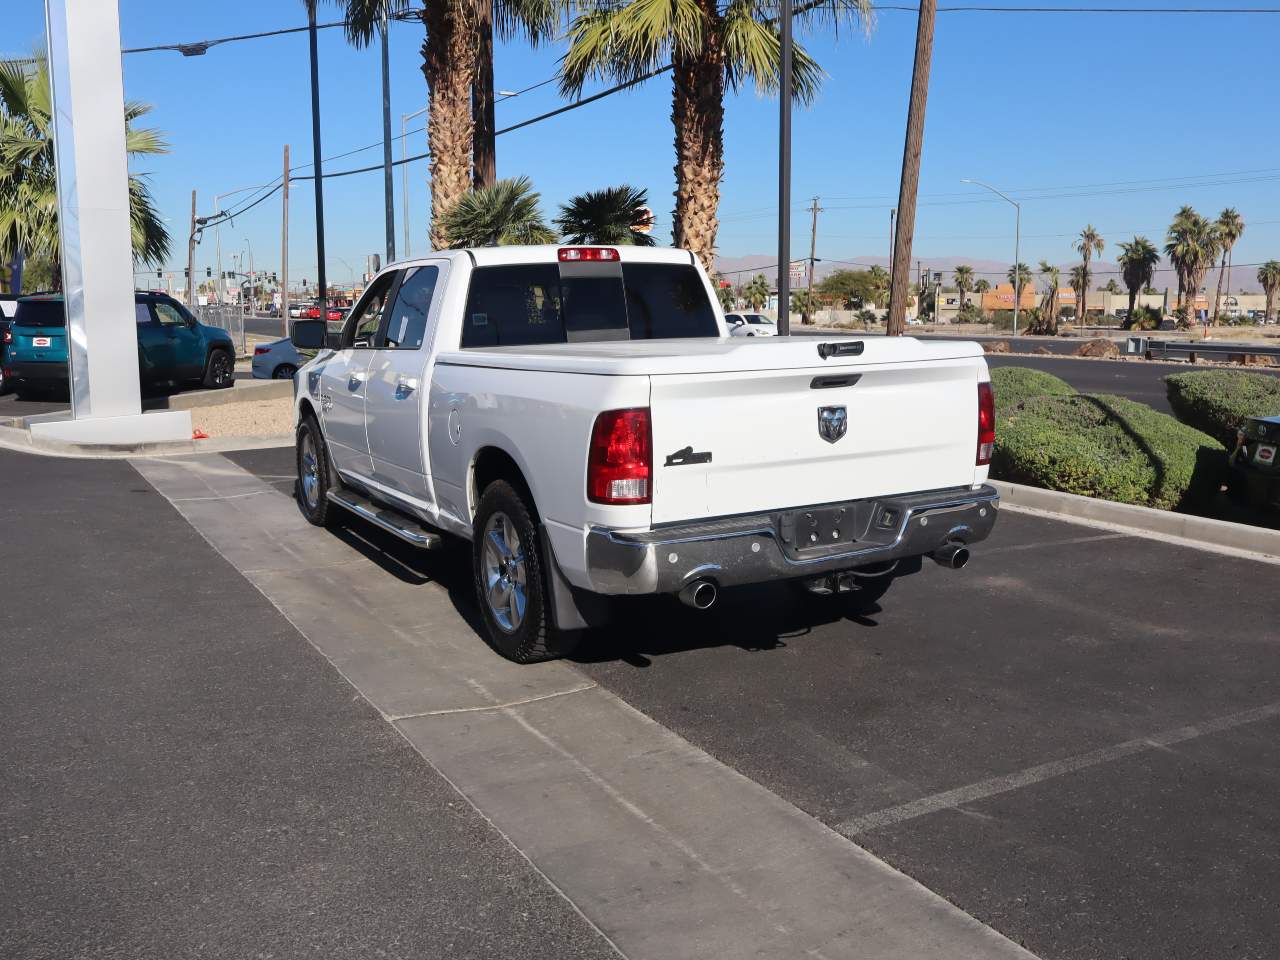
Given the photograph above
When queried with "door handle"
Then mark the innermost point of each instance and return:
(404, 387)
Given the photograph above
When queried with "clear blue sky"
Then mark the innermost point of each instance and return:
(1035, 104)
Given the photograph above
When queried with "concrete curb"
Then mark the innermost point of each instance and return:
(244, 391)
(21, 441)
(1219, 536)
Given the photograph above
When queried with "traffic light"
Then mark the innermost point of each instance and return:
(304, 283)
(186, 273)
(273, 277)
(159, 275)
(208, 273)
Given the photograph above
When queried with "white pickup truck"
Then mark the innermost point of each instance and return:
(582, 416)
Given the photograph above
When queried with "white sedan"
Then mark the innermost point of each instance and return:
(279, 360)
(750, 325)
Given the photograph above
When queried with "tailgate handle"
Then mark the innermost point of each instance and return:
(824, 383)
(686, 457)
(848, 348)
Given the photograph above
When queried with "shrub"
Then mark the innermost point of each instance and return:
(1107, 447)
(1015, 384)
(1219, 401)
(1143, 318)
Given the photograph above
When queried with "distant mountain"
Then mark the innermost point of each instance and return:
(742, 269)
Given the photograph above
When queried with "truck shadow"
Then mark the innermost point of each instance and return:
(754, 619)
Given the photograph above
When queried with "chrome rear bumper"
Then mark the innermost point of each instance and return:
(756, 548)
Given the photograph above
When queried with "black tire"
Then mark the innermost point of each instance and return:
(314, 473)
(219, 370)
(505, 572)
(284, 372)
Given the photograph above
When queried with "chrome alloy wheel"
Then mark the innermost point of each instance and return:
(503, 564)
(310, 471)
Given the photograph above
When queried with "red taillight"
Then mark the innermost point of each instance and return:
(259, 351)
(986, 423)
(8, 337)
(577, 254)
(620, 461)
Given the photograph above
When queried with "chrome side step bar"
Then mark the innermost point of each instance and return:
(393, 521)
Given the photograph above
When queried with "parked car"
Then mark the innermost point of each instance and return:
(295, 309)
(8, 308)
(278, 360)
(1254, 463)
(750, 325)
(563, 408)
(173, 347)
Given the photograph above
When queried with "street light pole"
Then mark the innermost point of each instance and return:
(1017, 242)
(404, 171)
(317, 160)
(388, 187)
(253, 293)
(784, 171)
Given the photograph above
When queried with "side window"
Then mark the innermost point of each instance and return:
(407, 328)
(142, 313)
(513, 305)
(361, 330)
(169, 315)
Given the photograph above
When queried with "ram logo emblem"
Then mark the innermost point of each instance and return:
(833, 422)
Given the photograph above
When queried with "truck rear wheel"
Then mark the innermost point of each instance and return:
(510, 578)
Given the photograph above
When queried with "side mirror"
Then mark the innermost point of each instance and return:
(309, 334)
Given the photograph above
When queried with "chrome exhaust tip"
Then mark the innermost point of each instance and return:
(700, 594)
(953, 555)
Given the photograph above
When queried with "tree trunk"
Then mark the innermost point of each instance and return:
(1133, 302)
(697, 113)
(1082, 308)
(485, 153)
(909, 184)
(449, 66)
(1271, 298)
(1217, 297)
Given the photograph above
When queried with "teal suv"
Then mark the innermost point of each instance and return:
(173, 346)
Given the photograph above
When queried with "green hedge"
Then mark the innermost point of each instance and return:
(1219, 401)
(1012, 385)
(1107, 447)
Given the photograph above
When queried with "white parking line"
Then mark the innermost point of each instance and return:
(950, 799)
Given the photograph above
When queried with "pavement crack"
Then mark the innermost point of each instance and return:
(395, 718)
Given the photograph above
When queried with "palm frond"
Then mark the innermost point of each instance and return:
(504, 213)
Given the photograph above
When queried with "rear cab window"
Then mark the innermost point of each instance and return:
(40, 313)
(526, 304)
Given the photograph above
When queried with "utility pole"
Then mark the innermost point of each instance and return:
(317, 161)
(814, 209)
(784, 170)
(484, 153)
(191, 257)
(284, 247)
(388, 185)
(910, 184)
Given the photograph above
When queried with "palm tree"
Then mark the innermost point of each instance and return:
(502, 214)
(1192, 247)
(1138, 259)
(1230, 227)
(710, 47)
(451, 64)
(1019, 276)
(1080, 284)
(757, 291)
(879, 283)
(964, 281)
(28, 186)
(1087, 244)
(982, 286)
(1049, 302)
(606, 217)
(1269, 277)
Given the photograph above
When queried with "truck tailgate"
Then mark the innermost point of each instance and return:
(745, 442)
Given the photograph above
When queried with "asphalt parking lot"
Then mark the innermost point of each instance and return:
(1076, 739)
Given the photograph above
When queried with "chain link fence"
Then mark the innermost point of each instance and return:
(224, 316)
